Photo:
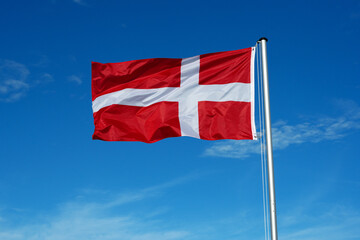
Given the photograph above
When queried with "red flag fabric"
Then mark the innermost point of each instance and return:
(210, 96)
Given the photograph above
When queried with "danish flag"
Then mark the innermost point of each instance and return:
(210, 96)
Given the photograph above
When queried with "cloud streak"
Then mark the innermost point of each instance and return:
(75, 79)
(336, 222)
(45, 78)
(284, 134)
(91, 217)
(13, 80)
(93, 220)
(96, 214)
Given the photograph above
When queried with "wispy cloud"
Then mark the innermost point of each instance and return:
(117, 217)
(233, 149)
(86, 223)
(45, 78)
(284, 134)
(90, 217)
(332, 223)
(75, 79)
(98, 219)
(13, 80)
(16, 80)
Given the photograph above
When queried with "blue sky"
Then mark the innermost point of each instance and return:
(58, 184)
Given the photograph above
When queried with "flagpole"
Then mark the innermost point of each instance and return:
(268, 140)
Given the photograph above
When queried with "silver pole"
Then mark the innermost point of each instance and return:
(269, 141)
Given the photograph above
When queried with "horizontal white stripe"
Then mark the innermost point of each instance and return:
(194, 93)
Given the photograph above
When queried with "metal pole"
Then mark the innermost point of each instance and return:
(269, 140)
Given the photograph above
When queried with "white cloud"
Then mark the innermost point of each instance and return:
(284, 134)
(13, 80)
(88, 218)
(92, 220)
(332, 223)
(75, 79)
(45, 78)
(87, 223)
(233, 149)
(98, 214)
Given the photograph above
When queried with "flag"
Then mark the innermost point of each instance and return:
(209, 96)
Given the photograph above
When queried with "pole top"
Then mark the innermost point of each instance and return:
(263, 38)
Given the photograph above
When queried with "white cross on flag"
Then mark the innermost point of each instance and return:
(210, 96)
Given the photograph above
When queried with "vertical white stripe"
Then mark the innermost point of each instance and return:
(188, 108)
(252, 79)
